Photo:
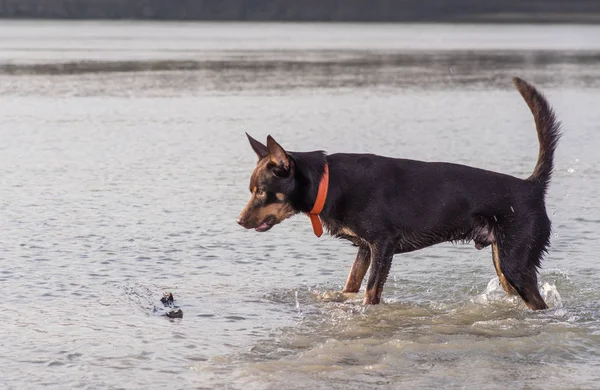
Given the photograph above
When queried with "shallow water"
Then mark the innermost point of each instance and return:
(123, 165)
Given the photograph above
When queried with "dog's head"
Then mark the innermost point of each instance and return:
(271, 185)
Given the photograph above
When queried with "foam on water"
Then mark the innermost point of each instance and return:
(426, 329)
(340, 341)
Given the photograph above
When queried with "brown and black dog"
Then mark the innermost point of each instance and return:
(387, 206)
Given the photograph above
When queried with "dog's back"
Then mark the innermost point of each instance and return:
(433, 199)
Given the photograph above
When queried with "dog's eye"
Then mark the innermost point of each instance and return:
(260, 193)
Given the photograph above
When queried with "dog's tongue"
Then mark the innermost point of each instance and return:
(262, 227)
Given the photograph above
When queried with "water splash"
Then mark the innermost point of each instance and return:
(297, 301)
(494, 294)
(551, 296)
(573, 169)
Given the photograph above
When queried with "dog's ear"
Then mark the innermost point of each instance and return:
(278, 157)
(260, 149)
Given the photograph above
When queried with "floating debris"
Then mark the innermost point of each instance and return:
(177, 313)
(168, 301)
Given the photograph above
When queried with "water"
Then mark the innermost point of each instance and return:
(123, 165)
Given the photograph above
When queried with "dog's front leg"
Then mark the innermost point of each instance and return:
(358, 271)
(381, 260)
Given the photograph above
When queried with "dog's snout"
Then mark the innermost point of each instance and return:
(241, 221)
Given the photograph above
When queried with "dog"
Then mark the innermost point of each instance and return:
(387, 206)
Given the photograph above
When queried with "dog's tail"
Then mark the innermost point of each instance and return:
(548, 129)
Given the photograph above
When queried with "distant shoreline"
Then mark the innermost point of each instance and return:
(590, 19)
(352, 11)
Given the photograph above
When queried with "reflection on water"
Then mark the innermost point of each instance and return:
(122, 172)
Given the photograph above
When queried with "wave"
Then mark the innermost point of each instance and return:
(293, 60)
(80, 67)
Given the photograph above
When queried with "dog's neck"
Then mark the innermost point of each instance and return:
(309, 168)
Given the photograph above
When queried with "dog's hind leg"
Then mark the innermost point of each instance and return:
(381, 262)
(526, 286)
(358, 271)
(510, 290)
(519, 256)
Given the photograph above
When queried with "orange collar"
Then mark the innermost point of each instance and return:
(319, 203)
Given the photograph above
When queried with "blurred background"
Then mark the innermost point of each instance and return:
(310, 10)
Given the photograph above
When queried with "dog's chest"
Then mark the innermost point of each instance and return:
(341, 231)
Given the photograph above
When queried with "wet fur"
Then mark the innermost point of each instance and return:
(387, 206)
